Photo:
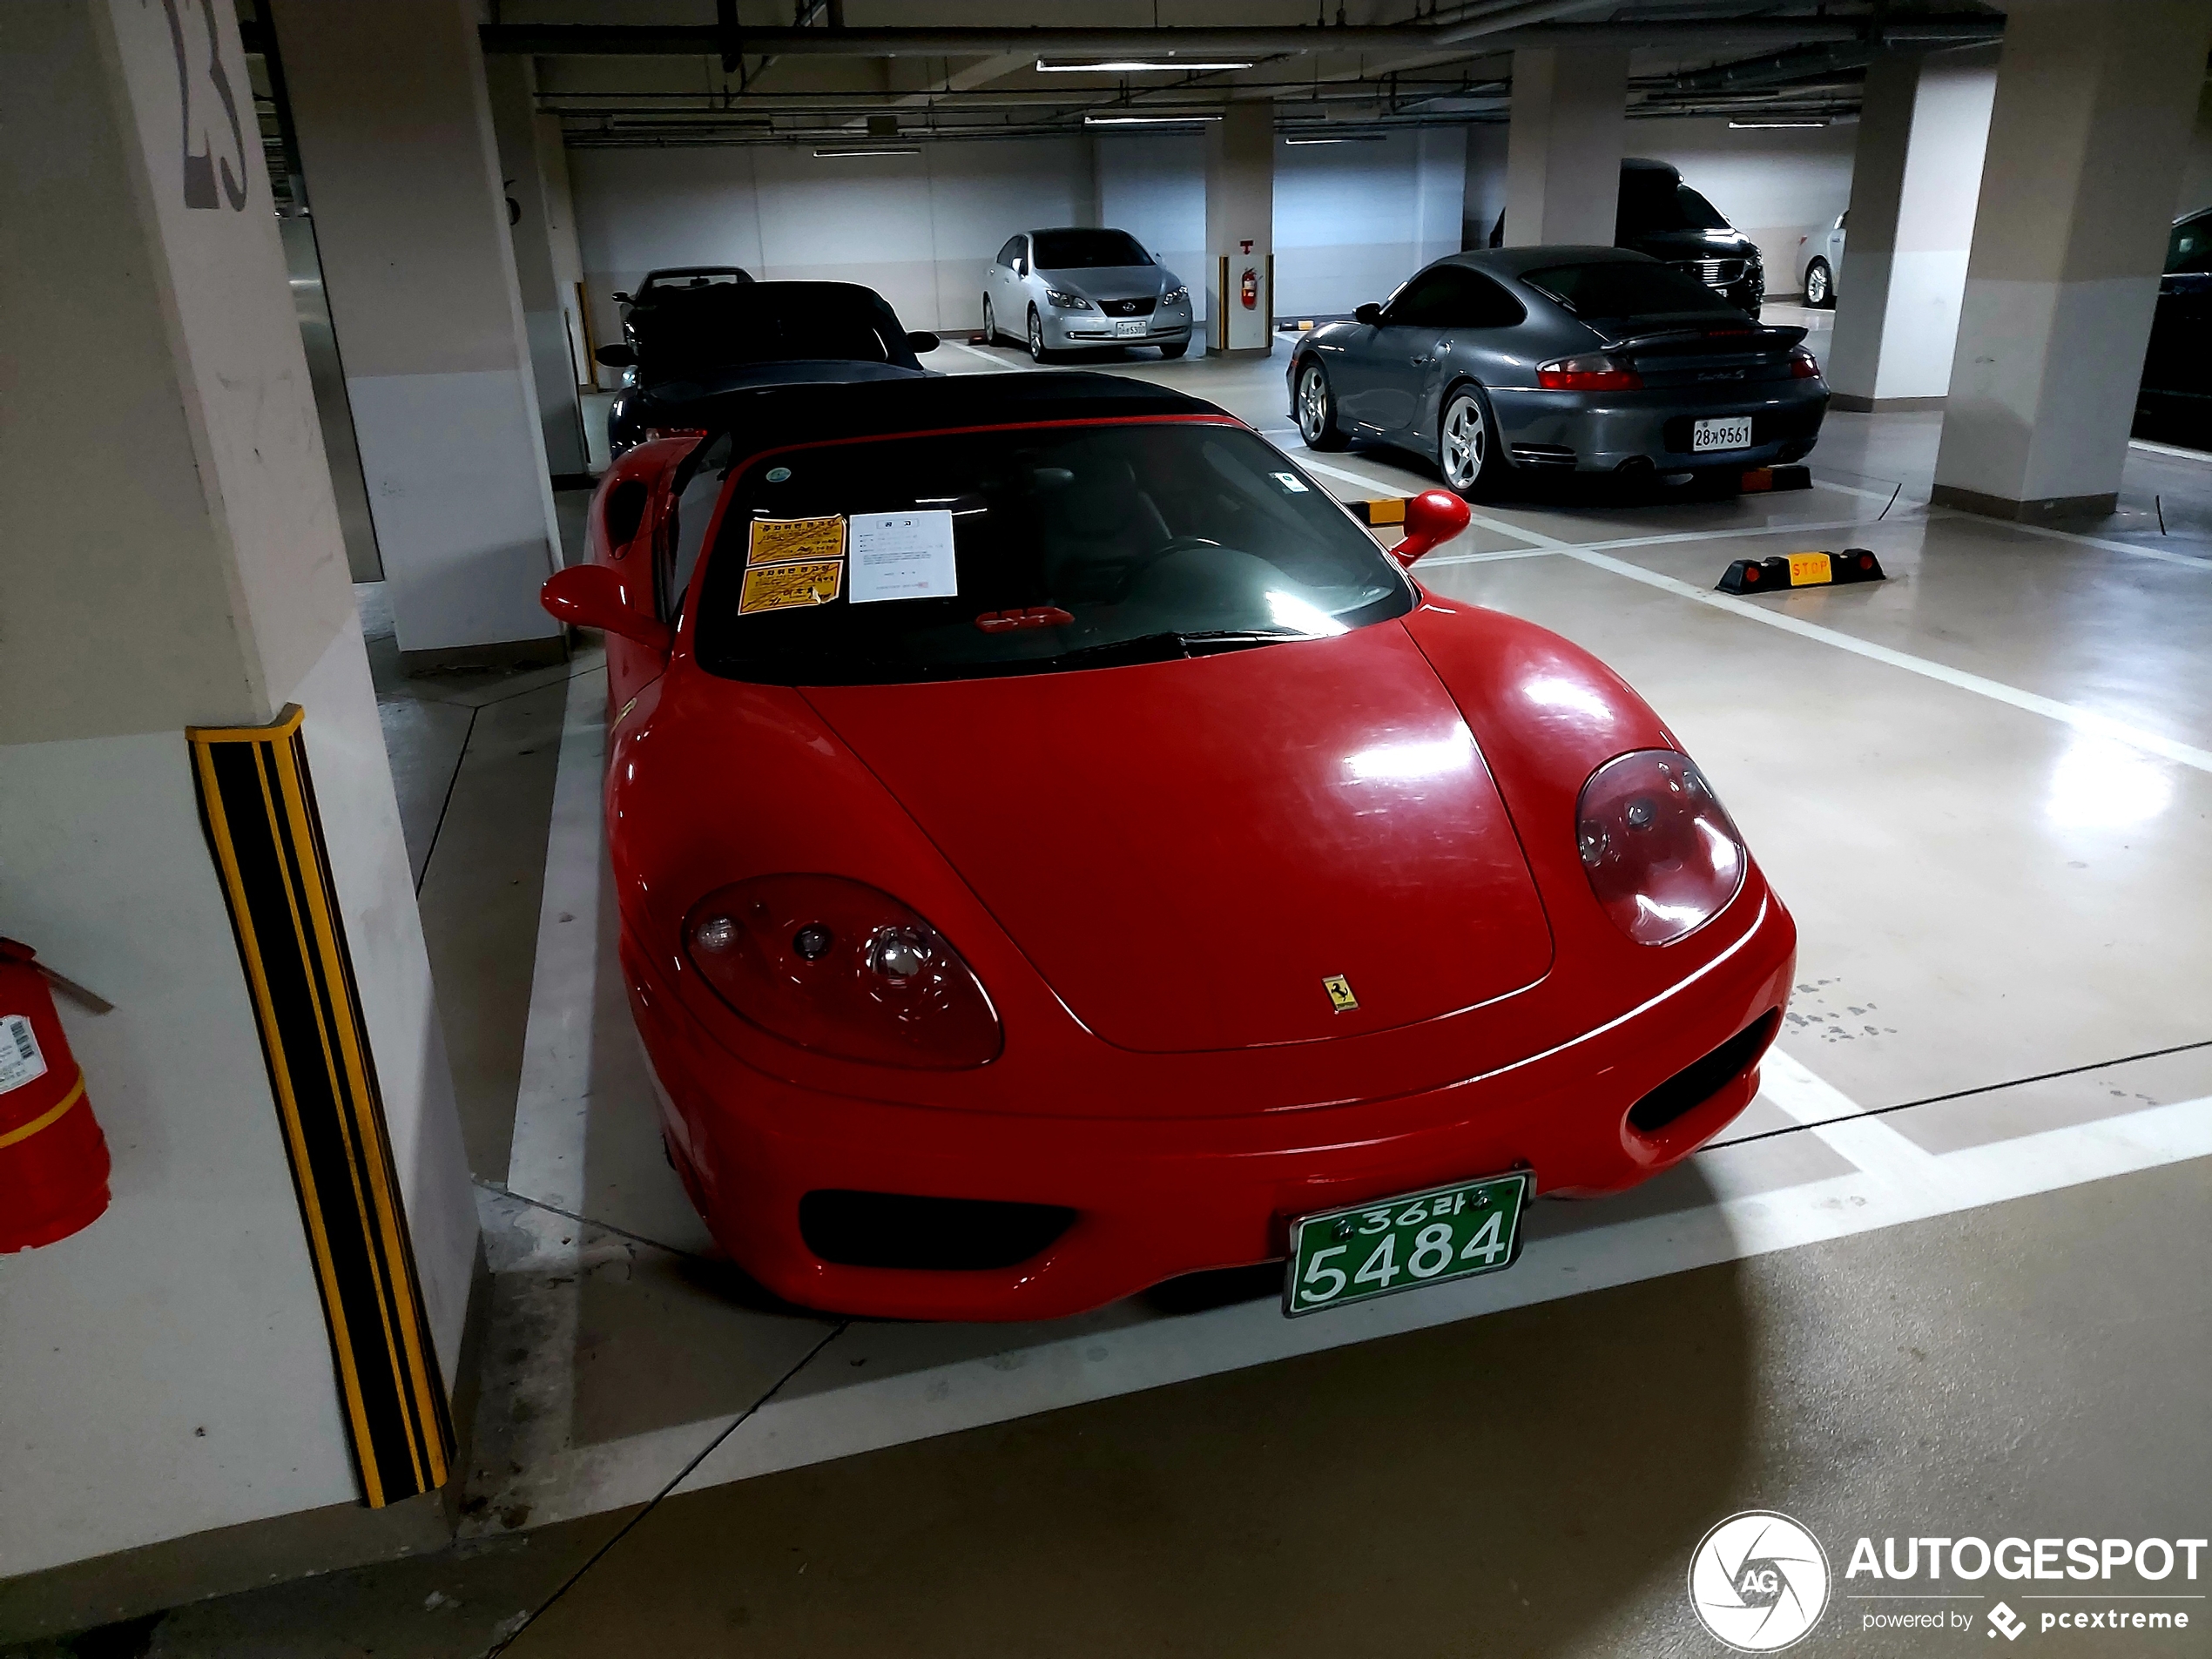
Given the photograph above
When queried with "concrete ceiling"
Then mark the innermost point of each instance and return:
(685, 73)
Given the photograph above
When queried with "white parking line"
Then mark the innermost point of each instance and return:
(976, 352)
(2088, 720)
(553, 1101)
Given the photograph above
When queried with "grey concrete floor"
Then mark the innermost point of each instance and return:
(1948, 1275)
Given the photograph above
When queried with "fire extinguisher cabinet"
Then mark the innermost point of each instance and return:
(53, 1159)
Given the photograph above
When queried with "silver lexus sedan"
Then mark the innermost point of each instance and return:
(1522, 361)
(1069, 289)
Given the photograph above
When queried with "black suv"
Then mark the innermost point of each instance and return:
(1660, 215)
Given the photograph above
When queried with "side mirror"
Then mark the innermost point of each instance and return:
(622, 299)
(1370, 314)
(922, 341)
(616, 356)
(1021, 267)
(592, 596)
(1432, 518)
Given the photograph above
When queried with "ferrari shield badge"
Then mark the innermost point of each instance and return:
(1339, 990)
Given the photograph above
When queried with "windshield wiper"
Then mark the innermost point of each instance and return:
(1166, 647)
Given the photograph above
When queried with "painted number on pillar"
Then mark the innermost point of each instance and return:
(203, 61)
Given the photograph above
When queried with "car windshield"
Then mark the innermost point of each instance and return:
(1022, 550)
(1652, 203)
(660, 283)
(1087, 250)
(1618, 289)
(689, 336)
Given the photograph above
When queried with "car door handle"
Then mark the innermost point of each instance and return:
(1418, 362)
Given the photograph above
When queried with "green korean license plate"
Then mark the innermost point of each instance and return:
(1373, 1249)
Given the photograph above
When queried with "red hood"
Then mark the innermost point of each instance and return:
(1187, 850)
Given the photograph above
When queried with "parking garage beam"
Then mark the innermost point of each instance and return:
(2087, 142)
(1921, 133)
(1563, 145)
(396, 137)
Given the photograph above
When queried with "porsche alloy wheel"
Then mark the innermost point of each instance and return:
(1316, 410)
(1820, 290)
(1464, 448)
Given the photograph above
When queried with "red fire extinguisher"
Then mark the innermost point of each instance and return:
(53, 1159)
(1250, 288)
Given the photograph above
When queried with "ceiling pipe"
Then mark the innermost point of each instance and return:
(1521, 25)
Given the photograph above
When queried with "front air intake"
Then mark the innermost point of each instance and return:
(1701, 1080)
(943, 1235)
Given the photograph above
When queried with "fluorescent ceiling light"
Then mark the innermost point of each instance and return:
(1144, 120)
(1751, 126)
(870, 150)
(1126, 65)
(1341, 137)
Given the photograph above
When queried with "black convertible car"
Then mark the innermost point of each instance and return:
(690, 341)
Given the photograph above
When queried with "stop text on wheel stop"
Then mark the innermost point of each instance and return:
(1786, 571)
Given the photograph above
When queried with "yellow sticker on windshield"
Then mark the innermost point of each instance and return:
(776, 540)
(779, 587)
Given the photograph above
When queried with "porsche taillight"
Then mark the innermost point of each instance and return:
(1804, 366)
(1596, 373)
(843, 970)
(1663, 856)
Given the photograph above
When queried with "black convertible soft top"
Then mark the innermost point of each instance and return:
(786, 414)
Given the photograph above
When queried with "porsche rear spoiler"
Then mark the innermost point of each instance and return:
(1752, 336)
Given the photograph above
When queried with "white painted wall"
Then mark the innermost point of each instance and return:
(1354, 221)
(918, 229)
(1153, 185)
(1774, 184)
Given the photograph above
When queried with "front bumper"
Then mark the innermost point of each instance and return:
(1080, 330)
(1602, 431)
(1158, 1197)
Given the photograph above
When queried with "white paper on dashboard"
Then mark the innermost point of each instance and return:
(900, 555)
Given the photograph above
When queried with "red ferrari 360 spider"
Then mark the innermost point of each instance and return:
(1057, 850)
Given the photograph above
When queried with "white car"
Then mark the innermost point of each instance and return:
(1063, 290)
(1820, 256)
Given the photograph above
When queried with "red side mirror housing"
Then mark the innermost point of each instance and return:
(1432, 517)
(592, 596)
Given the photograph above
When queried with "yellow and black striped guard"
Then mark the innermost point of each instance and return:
(257, 803)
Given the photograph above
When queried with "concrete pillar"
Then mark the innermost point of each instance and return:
(511, 82)
(561, 238)
(2093, 105)
(1563, 144)
(1915, 176)
(394, 130)
(1240, 231)
(173, 558)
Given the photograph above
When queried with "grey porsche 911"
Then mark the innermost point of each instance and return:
(1508, 362)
